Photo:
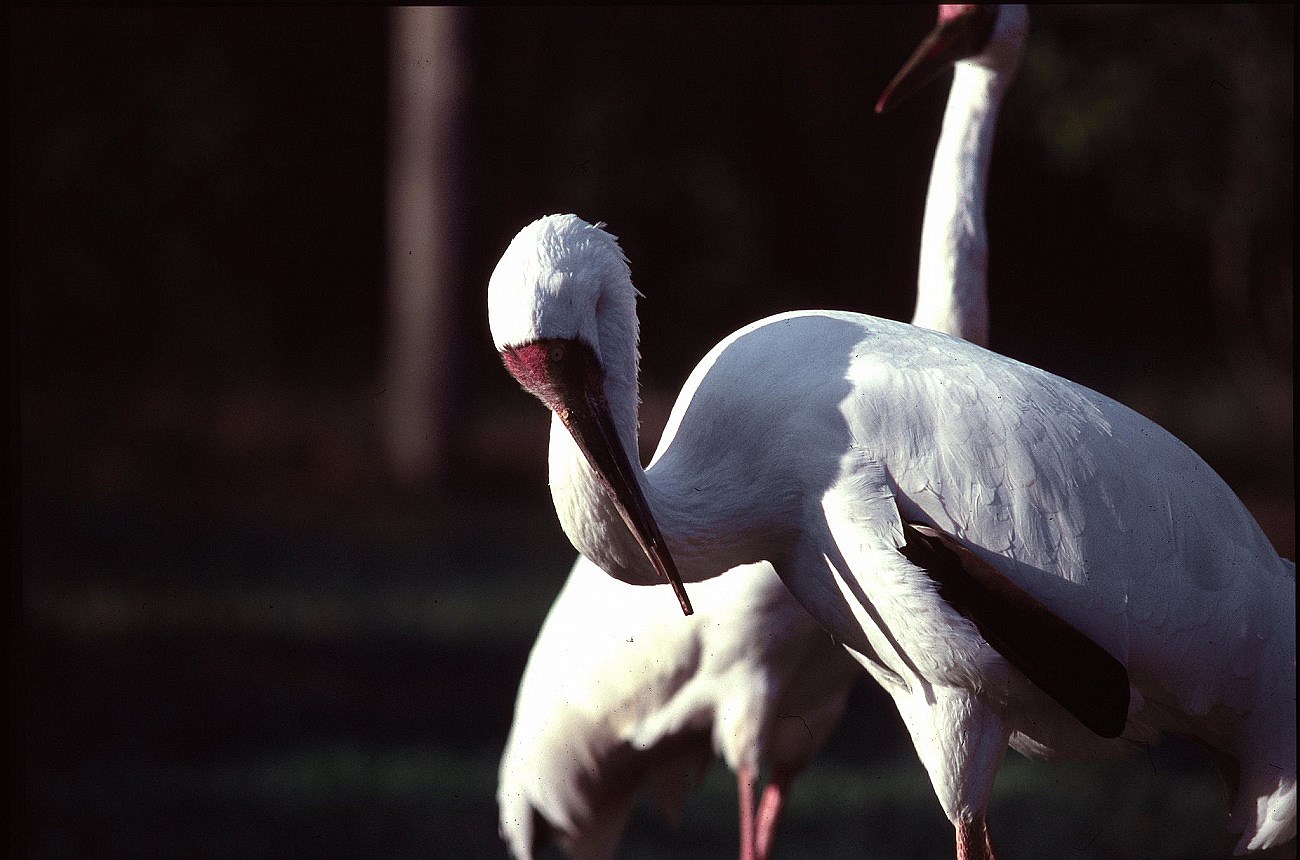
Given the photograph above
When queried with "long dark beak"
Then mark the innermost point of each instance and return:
(566, 376)
(592, 427)
(961, 32)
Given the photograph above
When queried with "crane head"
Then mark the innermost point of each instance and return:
(562, 310)
(565, 374)
(987, 34)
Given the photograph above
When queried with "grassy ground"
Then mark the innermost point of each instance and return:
(221, 685)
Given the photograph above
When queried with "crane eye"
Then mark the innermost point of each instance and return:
(556, 353)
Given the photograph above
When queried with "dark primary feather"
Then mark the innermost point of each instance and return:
(1066, 664)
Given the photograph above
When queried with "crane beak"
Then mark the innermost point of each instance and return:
(565, 375)
(592, 427)
(962, 31)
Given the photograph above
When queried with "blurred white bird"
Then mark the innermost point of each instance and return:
(622, 692)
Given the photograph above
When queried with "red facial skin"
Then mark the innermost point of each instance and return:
(565, 374)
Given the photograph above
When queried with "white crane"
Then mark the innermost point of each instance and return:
(1013, 556)
(815, 439)
(618, 694)
(622, 692)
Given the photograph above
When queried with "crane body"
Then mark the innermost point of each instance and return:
(1001, 550)
(621, 692)
(811, 440)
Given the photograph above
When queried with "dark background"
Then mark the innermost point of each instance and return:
(240, 636)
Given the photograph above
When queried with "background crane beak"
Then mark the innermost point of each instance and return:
(962, 31)
(565, 375)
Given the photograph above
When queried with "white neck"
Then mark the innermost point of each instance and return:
(588, 517)
(951, 284)
(691, 503)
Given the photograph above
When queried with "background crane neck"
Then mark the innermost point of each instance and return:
(951, 282)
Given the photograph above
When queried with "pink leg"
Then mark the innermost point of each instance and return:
(746, 778)
(973, 839)
(769, 814)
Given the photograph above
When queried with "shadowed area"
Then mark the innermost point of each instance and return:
(235, 634)
(205, 710)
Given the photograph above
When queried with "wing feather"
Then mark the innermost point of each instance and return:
(1100, 514)
(1067, 665)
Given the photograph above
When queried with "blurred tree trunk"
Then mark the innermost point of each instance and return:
(424, 102)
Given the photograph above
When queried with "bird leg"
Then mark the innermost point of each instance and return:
(973, 839)
(770, 807)
(961, 740)
(746, 780)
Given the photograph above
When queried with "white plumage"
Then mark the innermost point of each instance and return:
(621, 692)
(952, 276)
(807, 441)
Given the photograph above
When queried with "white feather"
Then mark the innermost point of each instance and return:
(1107, 519)
(754, 450)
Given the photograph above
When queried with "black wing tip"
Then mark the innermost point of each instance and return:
(1108, 713)
(1078, 673)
